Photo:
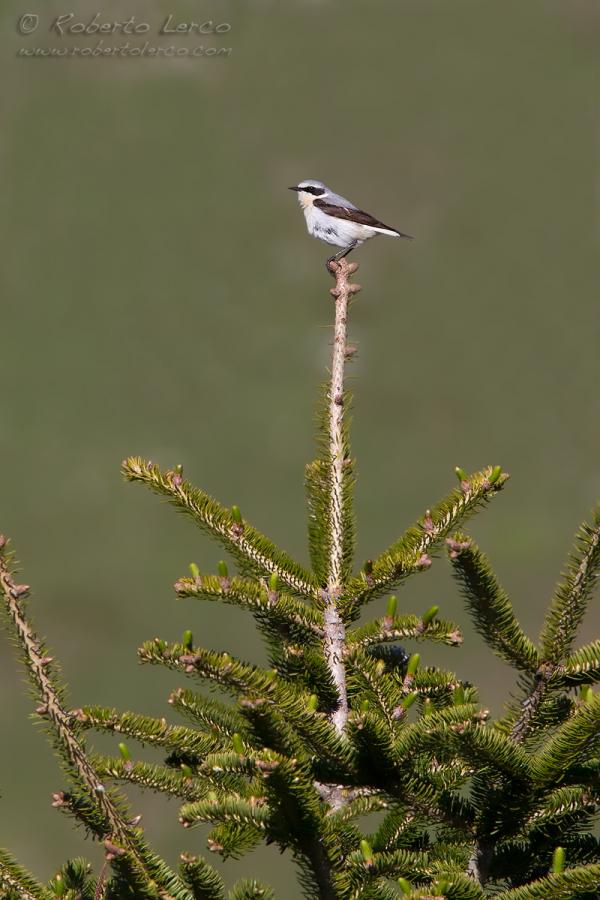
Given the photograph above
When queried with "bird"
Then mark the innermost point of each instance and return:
(337, 221)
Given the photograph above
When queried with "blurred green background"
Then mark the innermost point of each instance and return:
(161, 297)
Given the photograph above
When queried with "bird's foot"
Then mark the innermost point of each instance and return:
(332, 265)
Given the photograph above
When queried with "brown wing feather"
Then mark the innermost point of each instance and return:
(353, 215)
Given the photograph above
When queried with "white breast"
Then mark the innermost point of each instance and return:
(338, 232)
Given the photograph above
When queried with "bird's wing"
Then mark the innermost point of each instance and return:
(352, 214)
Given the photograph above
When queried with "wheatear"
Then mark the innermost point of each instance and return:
(337, 221)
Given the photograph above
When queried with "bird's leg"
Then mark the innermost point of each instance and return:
(340, 255)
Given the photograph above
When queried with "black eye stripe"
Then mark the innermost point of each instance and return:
(317, 191)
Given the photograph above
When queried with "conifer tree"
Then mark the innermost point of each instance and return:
(381, 776)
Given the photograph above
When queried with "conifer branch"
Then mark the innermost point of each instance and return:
(203, 880)
(397, 830)
(149, 730)
(410, 553)
(575, 742)
(572, 802)
(405, 863)
(367, 680)
(397, 628)
(490, 607)
(150, 776)
(249, 889)
(577, 739)
(573, 593)
(437, 684)
(232, 841)
(249, 763)
(582, 666)
(220, 668)
(13, 877)
(356, 805)
(318, 494)
(387, 760)
(335, 633)
(317, 487)
(254, 812)
(494, 618)
(271, 729)
(289, 726)
(533, 700)
(460, 885)
(484, 849)
(272, 696)
(280, 610)
(251, 548)
(484, 746)
(50, 702)
(43, 675)
(207, 713)
(583, 879)
(299, 821)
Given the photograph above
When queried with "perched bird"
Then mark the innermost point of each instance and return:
(337, 221)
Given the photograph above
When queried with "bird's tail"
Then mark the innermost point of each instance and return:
(393, 232)
(400, 234)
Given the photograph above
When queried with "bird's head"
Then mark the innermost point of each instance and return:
(308, 190)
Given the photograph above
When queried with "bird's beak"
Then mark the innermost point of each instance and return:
(293, 189)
